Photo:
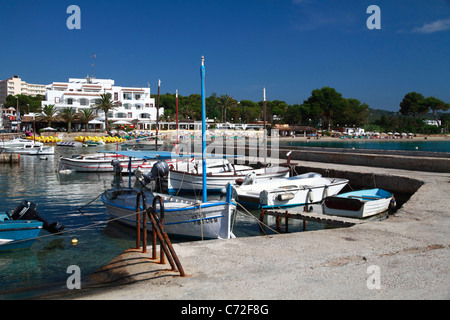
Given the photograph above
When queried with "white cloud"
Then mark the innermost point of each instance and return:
(438, 25)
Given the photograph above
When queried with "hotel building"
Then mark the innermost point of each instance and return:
(133, 105)
(15, 86)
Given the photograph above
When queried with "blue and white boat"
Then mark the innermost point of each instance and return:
(21, 228)
(201, 219)
(359, 204)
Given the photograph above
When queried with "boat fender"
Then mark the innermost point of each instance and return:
(309, 196)
(249, 179)
(392, 206)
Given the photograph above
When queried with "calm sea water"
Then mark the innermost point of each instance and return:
(417, 144)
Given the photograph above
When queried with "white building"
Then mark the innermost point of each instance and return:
(134, 105)
(15, 86)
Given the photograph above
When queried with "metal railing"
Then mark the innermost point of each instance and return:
(158, 232)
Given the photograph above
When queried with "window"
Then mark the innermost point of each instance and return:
(121, 115)
(127, 106)
(116, 96)
(70, 101)
(130, 114)
(84, 102)
(127, 96)
(137, 96)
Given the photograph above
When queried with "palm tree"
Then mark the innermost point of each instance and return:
(106, 105)
(86, 115)
(225, 102)
(49, 113)
(68, 115)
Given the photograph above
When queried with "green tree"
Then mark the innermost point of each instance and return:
(68, 114)
(225, 102)
(49, 113)
(435, 105)
(106, 105)
(413, 104)
(326, 102)
(86, 115)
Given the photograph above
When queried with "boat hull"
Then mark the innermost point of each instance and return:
(97, 164)
(182, 181)
(182, 217)
(30, 151)
(356, 205)
(18, 234)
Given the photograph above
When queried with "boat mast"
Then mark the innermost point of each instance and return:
(202, 71)
(157, 115)
(176, 104)
(265, 131)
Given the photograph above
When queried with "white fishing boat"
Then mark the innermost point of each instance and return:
(218, 177)
(205, 219)
(100, 162)
(286, 192)
(359, 204)
(24, 146)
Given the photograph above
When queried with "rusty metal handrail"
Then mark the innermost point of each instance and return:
(158, 231)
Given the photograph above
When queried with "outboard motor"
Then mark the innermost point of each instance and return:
(117, 167)
(159, 171)
(27, 210)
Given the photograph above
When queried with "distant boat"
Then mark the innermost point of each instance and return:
(98, 162)
(24, 146)
(287, 192)
(359, 204)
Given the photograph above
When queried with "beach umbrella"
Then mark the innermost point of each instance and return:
(121, 122)
(49, 129)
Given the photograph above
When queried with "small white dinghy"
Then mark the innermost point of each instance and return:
(359, 204)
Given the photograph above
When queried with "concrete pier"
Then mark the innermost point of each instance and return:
(409, 252)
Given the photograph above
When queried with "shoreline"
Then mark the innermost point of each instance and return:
(69, 137)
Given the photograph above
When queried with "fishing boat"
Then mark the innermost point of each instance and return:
(201, 219)
(99, 162)
(21, 228)
(359, 204)
(24, 146)
(298, 190)
(190, 180)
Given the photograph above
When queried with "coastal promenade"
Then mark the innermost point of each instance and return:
(409, 251)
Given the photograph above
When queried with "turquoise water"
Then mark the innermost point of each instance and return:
(417, 144)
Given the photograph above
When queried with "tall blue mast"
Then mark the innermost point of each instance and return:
(205, 193)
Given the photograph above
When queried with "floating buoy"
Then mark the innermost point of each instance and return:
(417, 148)
(74, 241)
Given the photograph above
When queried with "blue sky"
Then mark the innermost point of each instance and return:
(289, 46)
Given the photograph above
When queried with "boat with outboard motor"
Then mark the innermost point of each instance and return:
(201, 219)
(21, 228)
(183, 217)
